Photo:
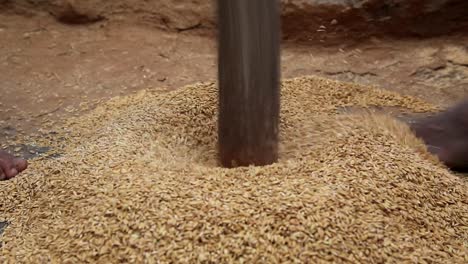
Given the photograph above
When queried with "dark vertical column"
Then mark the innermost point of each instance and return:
(248, 74)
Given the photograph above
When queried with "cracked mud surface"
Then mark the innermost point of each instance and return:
(54, 70)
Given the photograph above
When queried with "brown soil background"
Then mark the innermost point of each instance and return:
(50, 70)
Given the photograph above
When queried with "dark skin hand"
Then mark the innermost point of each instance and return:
(446, 136)
(10, 166)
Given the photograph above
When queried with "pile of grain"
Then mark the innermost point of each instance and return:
(138, 181)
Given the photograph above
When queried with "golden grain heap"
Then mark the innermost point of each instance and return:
(138, 182)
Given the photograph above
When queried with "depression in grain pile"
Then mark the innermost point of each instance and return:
(138, 180)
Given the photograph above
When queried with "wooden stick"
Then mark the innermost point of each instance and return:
(249, 74)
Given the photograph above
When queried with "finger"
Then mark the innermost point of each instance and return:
(8, 168)
(20, 164)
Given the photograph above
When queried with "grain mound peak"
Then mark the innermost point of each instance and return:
(139, 181)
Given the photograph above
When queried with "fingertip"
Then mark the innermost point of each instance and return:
(12, 173)
(21, 164)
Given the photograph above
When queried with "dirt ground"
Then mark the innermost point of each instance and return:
(50, 70)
